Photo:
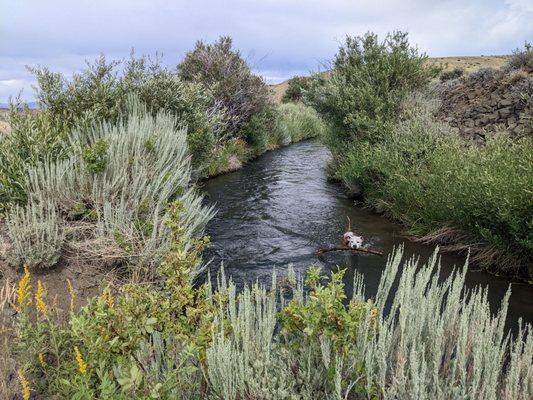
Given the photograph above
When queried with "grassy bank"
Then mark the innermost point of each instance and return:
(447, 191)
(282, 125)
(390, 151)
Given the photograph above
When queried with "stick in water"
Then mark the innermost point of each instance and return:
(344, 248)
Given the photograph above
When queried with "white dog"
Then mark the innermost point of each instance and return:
(350, 239)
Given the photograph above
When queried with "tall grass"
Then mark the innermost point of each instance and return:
(446, 190)
(297, 122)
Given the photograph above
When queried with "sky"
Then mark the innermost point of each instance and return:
(279, 38)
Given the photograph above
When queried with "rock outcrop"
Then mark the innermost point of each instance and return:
(488, 101)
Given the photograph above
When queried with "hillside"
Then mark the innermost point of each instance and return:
(467, 63)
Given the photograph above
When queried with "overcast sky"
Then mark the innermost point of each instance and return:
(281, 38)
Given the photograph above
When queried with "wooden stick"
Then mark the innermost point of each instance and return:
(343, 248)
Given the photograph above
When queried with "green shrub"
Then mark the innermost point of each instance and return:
(226, 75)
(34, 137)
(522, 58)
(297, 122)
(362, 98)
(452, 74)
(296, 88)
(259, 129)
(445, 189)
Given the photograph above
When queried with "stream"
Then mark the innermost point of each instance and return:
(281, 208)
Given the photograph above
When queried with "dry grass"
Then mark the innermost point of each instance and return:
(7, 293)
(4, 126)
(468, 64)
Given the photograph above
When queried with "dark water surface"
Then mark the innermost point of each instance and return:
(280, 209)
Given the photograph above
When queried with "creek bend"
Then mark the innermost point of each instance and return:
(281, 208)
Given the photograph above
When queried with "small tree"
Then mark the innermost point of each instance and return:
(228, 77)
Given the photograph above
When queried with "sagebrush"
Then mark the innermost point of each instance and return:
(437, 340)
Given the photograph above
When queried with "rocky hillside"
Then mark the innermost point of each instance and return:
(466, 63)
(487, 101)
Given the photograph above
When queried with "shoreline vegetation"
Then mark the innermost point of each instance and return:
(391, 152)
(104, 180)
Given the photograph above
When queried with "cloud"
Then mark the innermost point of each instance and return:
(279, 37)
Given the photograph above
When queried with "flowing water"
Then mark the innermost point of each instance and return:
(280, 209)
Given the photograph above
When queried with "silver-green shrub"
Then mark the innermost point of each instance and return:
(441, 341)
(245, 360)
(117, 184)
(36, 236)
(437, 341)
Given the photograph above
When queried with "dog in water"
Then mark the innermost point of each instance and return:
(350, 239)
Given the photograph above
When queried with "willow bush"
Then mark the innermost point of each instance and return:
(370, 78)
(222, 71)
(296, 87)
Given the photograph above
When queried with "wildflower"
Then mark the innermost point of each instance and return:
(39, 299)
(107, 297)
(41, 360)
(24, 384)
(82, 365)
(72, 295)
(24, 289)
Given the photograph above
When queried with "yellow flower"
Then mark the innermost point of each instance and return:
(107, 297)
(82, 365)
(25, 385)
(39, 298)
(41, 360)
(24, 289)
(72, 296)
